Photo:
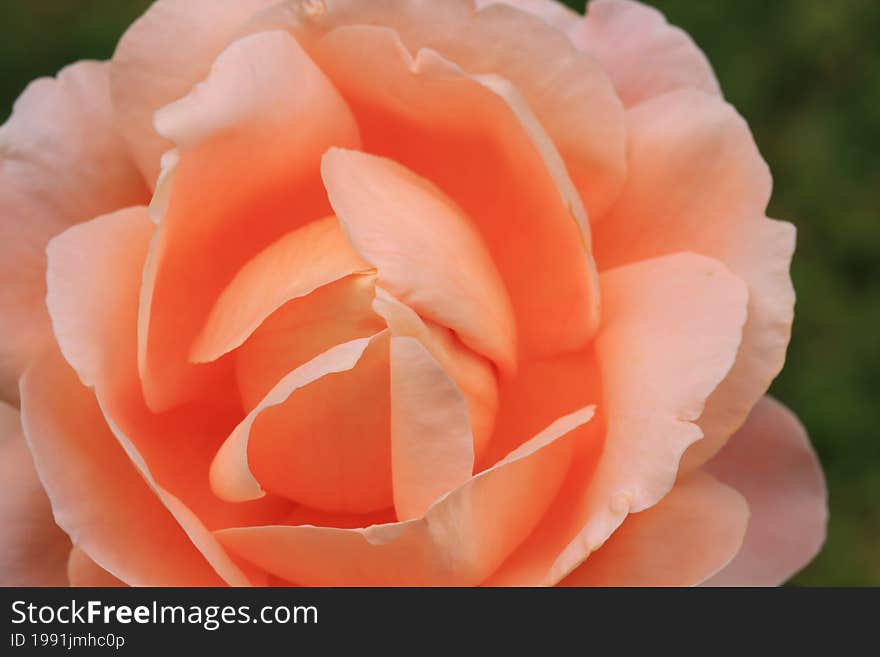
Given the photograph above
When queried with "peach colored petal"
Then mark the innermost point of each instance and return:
(92, 271)
(462, 537)
(159, 59)
(60, 163)
(698, 183)
(97, 494)
(643, 54)
(328, 445)
(675, 318)
(302, 329)
(294, 266)
(551, 12)
(33, 549)
(250, 139)
(82, 571)
(473, 375)
(464, 135)
(101, 345)
(690, 534)
(568, 91)
(432, 447)
(426, 251)
(231, 475)
(770, 461)
(544, 389)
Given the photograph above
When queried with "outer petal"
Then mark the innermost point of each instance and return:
(698, 183)
(461, 539)
(686, 537)
(477, 141)
(113, 516)
(61, 162)
(568, 91)
(95, 317)
(676, 318)
(551, 12)
(770, 461)
(426, 251)
(250, 140)
(640, 51)
(82, 571)
(159, 59)
(102, 257)
(33, 549)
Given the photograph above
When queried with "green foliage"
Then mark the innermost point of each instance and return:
(806, 75)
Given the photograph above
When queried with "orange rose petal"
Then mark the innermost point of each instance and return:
(33, 550)
(244, 153)
(159, 59)
(698, 183)
(432, 447)
(82, 571)
(543, 389)
(61, 162)
(298, 263)
(118, 518)
(643, 54)
(328, 445)
(468, 137)
(472, 374)
(426, 251)
(676, 318)
(231, 475)
(93, 275)
(688, 536)
(302, 329)
(462, 538)
(569, 92)
(95, 318)
(770, 461)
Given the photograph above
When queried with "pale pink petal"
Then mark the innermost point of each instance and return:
(473, 139)
(269, 110)
(61, 162)
(231, 475)
(690, 534)
(426, 251)
(770, 461)
(159, 59)
(676, 318)
(551, 12)
(97, 494)
(432, 446)
(643, 54)
(461, 539)
(292, 267)
(568, 91)
(698, 183)
(82, 571)
(33, 549)
(473, 375)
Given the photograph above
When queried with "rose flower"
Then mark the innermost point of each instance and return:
(395, 292)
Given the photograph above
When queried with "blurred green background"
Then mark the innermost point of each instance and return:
(806, 75)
